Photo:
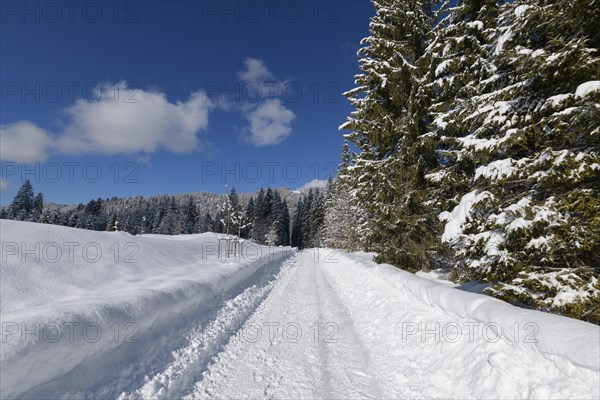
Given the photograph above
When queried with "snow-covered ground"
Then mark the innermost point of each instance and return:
(443, 276)
(179, 323)
(89, 314)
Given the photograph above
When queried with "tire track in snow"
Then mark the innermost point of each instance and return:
(347, 363)
(207, 340)
(270, 367)
(318, 365)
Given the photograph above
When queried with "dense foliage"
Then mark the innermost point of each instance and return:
(476, 133)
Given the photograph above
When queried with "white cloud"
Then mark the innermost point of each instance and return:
(117, 121)
(23, 142)
(315, 183)
(260, 83)
(3, 184)
(144, 123)
(270, 123)
(256, 71)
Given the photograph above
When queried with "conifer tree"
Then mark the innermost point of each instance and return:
(487, 111)
(46, 216)
(207, 223)
(259, 229)
(514, 93)
(531, 138)
(159, 215)
(284, 226)
(249, 217)
(296, 233)
(38, 207)
(23, 203)
(192, 223)
(143, 226)
(342, 221)
(113, 225)
(316, 220)
(171, 222)
(390, 116)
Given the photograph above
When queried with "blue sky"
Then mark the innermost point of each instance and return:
(105, 99)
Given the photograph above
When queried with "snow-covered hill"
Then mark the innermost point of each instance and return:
(163, 317)
(76, 304)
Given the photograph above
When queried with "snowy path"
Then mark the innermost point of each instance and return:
(307, 346)
(336, 328)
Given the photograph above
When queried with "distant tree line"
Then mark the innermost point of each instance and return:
(307, 227)
(264, 217)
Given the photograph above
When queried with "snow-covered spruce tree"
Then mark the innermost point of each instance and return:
(527, 220)
(305, 211)
(390, 116)
(127, 226)
(192, 219)
(112, 226)
(308, 221)
(342, 220)
(296, 231)
(160, 210)
(281, 220)
(285, 224)
(21, 207)
(261, 213)
(45, 217)
(207, 223)
(332, 228)
(311, 222)
(171, 222)
(92, 215)
(316, 220)
(454, 64)
(38, 207)
(249, 218)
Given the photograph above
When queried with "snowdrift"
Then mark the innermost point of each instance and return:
(76, 304)
(570, 339)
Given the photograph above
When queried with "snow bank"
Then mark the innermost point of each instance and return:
(557, 337)
(75, 303)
